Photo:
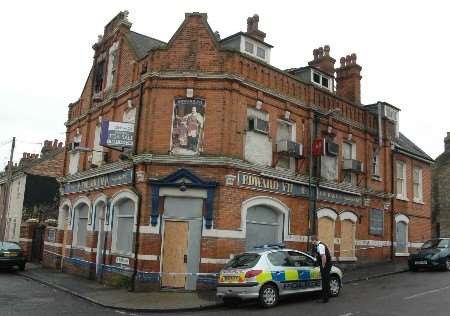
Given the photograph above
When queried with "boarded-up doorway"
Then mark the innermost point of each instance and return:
(175, 251)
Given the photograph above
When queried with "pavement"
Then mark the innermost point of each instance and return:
(168, 301)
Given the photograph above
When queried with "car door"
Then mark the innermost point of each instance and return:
(283, 271)
(308, 271)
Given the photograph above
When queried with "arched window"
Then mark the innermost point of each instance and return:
(123, 226)
(80, 225)
(264, 225)
(326, 227)
(348, 232)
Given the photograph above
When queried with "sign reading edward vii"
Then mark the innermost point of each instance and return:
(107, 180)
(257, 182)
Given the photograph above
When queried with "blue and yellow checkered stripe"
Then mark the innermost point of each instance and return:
(289, 275)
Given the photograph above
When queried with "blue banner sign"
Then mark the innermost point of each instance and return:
(264, 183)
(103, 181)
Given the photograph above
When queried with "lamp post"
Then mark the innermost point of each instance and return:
(312, 194)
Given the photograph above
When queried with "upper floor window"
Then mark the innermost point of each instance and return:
(417, 181)
(257, 121)
(99, 76)
(376, 222)
(376, 163)
(261, 52)
(401, 180)
(285, 133)
(349, 153)
(249, 47)
(321, 80)
(97, 154)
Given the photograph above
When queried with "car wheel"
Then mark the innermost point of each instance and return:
(268, 295)
(447, 264)
(335, 286)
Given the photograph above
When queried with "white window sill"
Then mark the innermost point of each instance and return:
(419, 202)
(402, 254)
(119, 253)
(377, 178)
(401, 198)
(348, 259)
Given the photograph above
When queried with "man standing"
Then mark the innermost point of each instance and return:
(324, 259)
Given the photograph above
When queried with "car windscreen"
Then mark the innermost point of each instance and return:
(243, 261)
(436, 243)
(9, 246)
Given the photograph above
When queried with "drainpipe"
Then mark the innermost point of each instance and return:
(138, 217)
(392, 202)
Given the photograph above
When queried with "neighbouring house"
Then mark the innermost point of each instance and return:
(440, 189)
(34, 189)
(220, 151)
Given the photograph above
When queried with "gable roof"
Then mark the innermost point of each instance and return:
(403, 143)
(142, 43)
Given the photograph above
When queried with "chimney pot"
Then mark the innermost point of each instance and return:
(447, 142)
(353, 56)
(55, 143)
(320, 51)
(60, 145)
(342, 61)
(326, 48)
(24, 155)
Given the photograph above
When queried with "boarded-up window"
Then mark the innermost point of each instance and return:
(81, 220)
(347, 239)
(263, 225)
(123, 226)
(376, 222)
(326, 233)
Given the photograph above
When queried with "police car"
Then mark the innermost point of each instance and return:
(271, 271)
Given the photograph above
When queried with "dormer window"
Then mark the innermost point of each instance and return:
(249, 47)
(261, 52)
(321, 80)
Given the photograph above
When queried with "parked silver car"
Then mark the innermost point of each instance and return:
(270, 272)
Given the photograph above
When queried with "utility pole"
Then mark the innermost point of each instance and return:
(6, 190)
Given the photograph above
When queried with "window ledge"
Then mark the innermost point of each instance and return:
(348, 259)
(119, 253)
(419, 202)
(402, 254)
(401, 198)
(377, 178)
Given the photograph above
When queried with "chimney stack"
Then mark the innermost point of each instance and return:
(323, 61)
(348, 79)
(252, 28)
(447, 143)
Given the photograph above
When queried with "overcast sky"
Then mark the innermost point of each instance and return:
(402, 46)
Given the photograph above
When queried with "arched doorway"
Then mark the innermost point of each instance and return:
(348, 235)
(264, 225)
(401, 234)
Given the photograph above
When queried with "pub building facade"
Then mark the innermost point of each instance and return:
(228, 152)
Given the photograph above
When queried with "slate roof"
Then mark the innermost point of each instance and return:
(142, 43)
(405, 144)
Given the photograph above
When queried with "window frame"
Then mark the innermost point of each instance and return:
(371, 221)
(401, 177)
(376, 164)
(329, 87)
(115, 232)
(419, 198)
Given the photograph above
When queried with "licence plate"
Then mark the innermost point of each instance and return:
(231, 278)
(420, 262)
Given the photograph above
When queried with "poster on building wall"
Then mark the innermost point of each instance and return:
(187, 126)
(117, 134)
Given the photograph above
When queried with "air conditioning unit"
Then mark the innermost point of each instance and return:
(331, 148)
(258, 125)
(293, 149)
(353, 165)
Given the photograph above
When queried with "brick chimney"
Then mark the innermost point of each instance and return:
(323, 61)
(348, 79)
(447, 143)
(252, 28)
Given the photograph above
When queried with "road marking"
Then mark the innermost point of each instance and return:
(427, 292)
(347, 314)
